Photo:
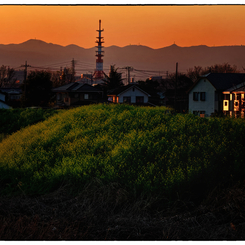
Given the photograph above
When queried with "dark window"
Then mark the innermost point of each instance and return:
(195, 113)
(226, 96)
(238, 96)
(133, 89)
(226, 103)
(195, 96)
(203, 96)
(202, 112)
(126, 99)
(139, 99)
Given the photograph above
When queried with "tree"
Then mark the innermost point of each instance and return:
(197, 71)
(149, 85)
(6, 75)
(37, 89)
(114, 80)
(220, 68)
(194, 73)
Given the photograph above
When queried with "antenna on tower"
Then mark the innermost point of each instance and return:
(99, 74)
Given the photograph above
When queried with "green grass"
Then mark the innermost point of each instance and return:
(12, 120)
(144, 150)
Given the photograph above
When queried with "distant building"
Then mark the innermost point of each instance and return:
(85, 78)
(74, 94)
(156, 78)
(3, 104)
(130, 93)
(12, 96)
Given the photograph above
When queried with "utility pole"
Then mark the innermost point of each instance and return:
(175, 90)
(25, 76)
(73, 70)
(128, 68)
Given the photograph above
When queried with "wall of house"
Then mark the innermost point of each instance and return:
(133, 95)
(63, 97)
(4, 106)
(2, 97)
(209, 104)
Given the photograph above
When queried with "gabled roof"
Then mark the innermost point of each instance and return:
(11, 90)
(76, 87)
(236, 89)
(122, 89)
(222, 81)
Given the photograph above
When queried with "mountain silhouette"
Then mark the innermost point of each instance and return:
(39, 53)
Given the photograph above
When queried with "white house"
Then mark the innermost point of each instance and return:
(206, 97)
(3, 104)
(130, 93)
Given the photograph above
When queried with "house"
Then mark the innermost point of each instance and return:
(206, 95)
(85, 78)
(131, 93)
(3, 104)
(12, 96)
(234, 101)
(74, 94)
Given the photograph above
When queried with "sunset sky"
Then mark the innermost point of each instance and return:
(153, 26)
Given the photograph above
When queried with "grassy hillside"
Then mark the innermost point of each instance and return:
(14, 119)
(121, 172)
(144, 150)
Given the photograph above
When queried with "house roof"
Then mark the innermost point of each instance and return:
(223, 81)
(76, 87)
(237, 89)
(122, 89)
(11, 90)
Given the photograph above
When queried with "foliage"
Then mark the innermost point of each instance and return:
(6, 75)
(114, 80)
(145, 150)
(197, 71)
(37, 89)
(12, 120)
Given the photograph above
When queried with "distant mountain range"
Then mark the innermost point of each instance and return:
(41, 54)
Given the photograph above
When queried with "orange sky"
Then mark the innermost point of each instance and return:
(153, 26)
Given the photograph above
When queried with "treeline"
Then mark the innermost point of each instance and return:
(36, 90)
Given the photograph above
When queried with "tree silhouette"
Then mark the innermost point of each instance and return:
(197, 71)
(114, 80)
(6, 75)
(37, 89)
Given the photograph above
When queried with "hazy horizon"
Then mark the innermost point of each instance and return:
(173, 44)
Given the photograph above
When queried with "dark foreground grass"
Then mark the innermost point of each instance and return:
(105, 212)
